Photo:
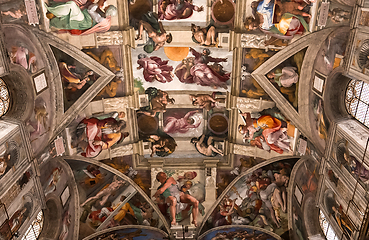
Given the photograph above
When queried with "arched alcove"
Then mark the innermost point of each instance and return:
(21, 93)
(334, 97)
(53, 218)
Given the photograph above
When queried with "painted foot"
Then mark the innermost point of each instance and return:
(173, 223)
(194, 223)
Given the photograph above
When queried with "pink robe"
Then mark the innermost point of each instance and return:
(180, 125)
(94, 133)
(205, 76)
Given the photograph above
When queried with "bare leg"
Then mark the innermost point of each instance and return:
(195, 206)
(104, 199)
(214, 149)
(284, 201)
(90, 199)
(273, 216)
(169, 126)
(200, 37)
(172, 208)
(210, 36)
(144, 26)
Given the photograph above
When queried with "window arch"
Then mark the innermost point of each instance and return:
(357, 101)
(35, 228)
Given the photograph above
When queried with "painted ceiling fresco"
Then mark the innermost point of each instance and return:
(145, 116)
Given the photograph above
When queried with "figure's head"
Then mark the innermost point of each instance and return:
(190, 121)
(242, 129)
(206, 51)
(188, 184)
(141, 55)
(254, 4)
(193, 99)
(89, 73)
(247, 131)
(161, 177)
(247, 163)
(282, 177)
(111, 10)
(251, 23)
(194, 140)
(121, 115)
(195, 28)
(271, 75)
(190, 175)
(169, 38)
(184, 61)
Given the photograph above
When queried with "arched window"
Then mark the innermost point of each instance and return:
(327, 228)
(357, 100)
(35, 229)
(4, 98)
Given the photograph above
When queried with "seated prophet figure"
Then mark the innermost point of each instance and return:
(175, 198)
(270, 131)
(69, 16)
(288, 24)
(94, 135)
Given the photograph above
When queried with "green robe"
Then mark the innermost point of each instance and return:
(64, 22)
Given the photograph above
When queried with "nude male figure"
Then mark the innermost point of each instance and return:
(159, 36)
(105, 193)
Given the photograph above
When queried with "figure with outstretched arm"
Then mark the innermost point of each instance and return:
(206, 75)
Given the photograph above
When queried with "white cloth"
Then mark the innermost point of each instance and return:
(94, 15)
